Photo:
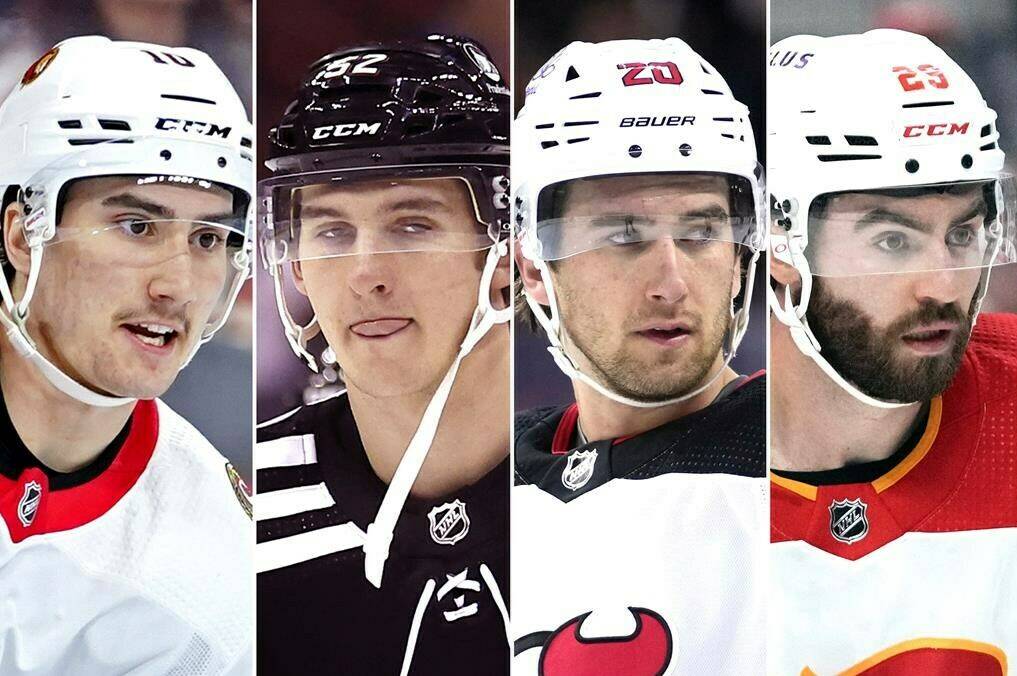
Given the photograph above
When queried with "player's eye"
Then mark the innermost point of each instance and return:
(892, 242)
(134, 227)
(963, 236)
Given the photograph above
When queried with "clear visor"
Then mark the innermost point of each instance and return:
(358, 212)
(696, 211)
(956, 226)
(189, 234)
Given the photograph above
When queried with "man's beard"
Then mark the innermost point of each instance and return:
(871, 359)
(634, 378)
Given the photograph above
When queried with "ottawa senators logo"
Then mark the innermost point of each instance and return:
(37, 68)
(645, 652)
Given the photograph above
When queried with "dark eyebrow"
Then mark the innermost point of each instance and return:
(134, 202)
(879, 215)
(980, 209)
(221, 217)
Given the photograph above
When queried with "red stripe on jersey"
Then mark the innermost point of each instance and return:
(69, 508)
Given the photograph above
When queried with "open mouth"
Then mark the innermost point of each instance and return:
(930, 339)
(381, 327)
(156, 335)
(665, 334)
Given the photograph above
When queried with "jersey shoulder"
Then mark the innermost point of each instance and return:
(185, 457)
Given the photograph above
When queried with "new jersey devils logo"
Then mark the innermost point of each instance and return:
(449, 523)
(848, 520)
(644, 652)
(28, 506)
(578, 469)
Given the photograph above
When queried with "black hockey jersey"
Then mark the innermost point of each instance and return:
(439, 609)
(642, 555)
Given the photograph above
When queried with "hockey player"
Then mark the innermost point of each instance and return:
(125, 171)
(382, 512)
(639, 511)
(894, 488)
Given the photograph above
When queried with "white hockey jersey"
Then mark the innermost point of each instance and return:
(641, 556)
(145, 568)
(916, 571)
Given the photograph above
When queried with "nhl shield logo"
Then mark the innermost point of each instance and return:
(449, 523)
(28, 506)
(848, 520)
(578, 469)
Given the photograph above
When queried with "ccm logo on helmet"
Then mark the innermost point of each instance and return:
(938, 129)
(670, 121)
(193, 126)
(349, 129)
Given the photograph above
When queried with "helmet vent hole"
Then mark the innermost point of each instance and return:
(861, 141)
(590, 95)
(245, 142)
(846, 158)
(115, 125)
(714, 92)
(426, 97)
(572, 74)
(582, 123)
(548, 144)
(451, 119)
(967, 161)
(723, 119)
(911, 166)
(546, 125)
(927, 104)
(986, 130)
(579, 139)
(190, 99)
(818, 140)
(988, 146)
(76, 124)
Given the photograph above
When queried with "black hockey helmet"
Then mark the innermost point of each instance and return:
(401, 106)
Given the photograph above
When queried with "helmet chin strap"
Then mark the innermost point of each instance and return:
(551, 324)
(379, 533)
(13, 321)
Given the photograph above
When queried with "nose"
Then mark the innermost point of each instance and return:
(666, 264)
(172, 281)
(941, 286)
(369, 273)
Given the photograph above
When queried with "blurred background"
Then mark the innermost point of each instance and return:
(291, 36)
(730, 34)
(214, 392)
(980, 35)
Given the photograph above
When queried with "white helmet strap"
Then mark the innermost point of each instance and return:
(379, 532)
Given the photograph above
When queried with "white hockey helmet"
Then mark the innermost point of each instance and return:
(92, 107)
(883, 110)
(630, 107)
